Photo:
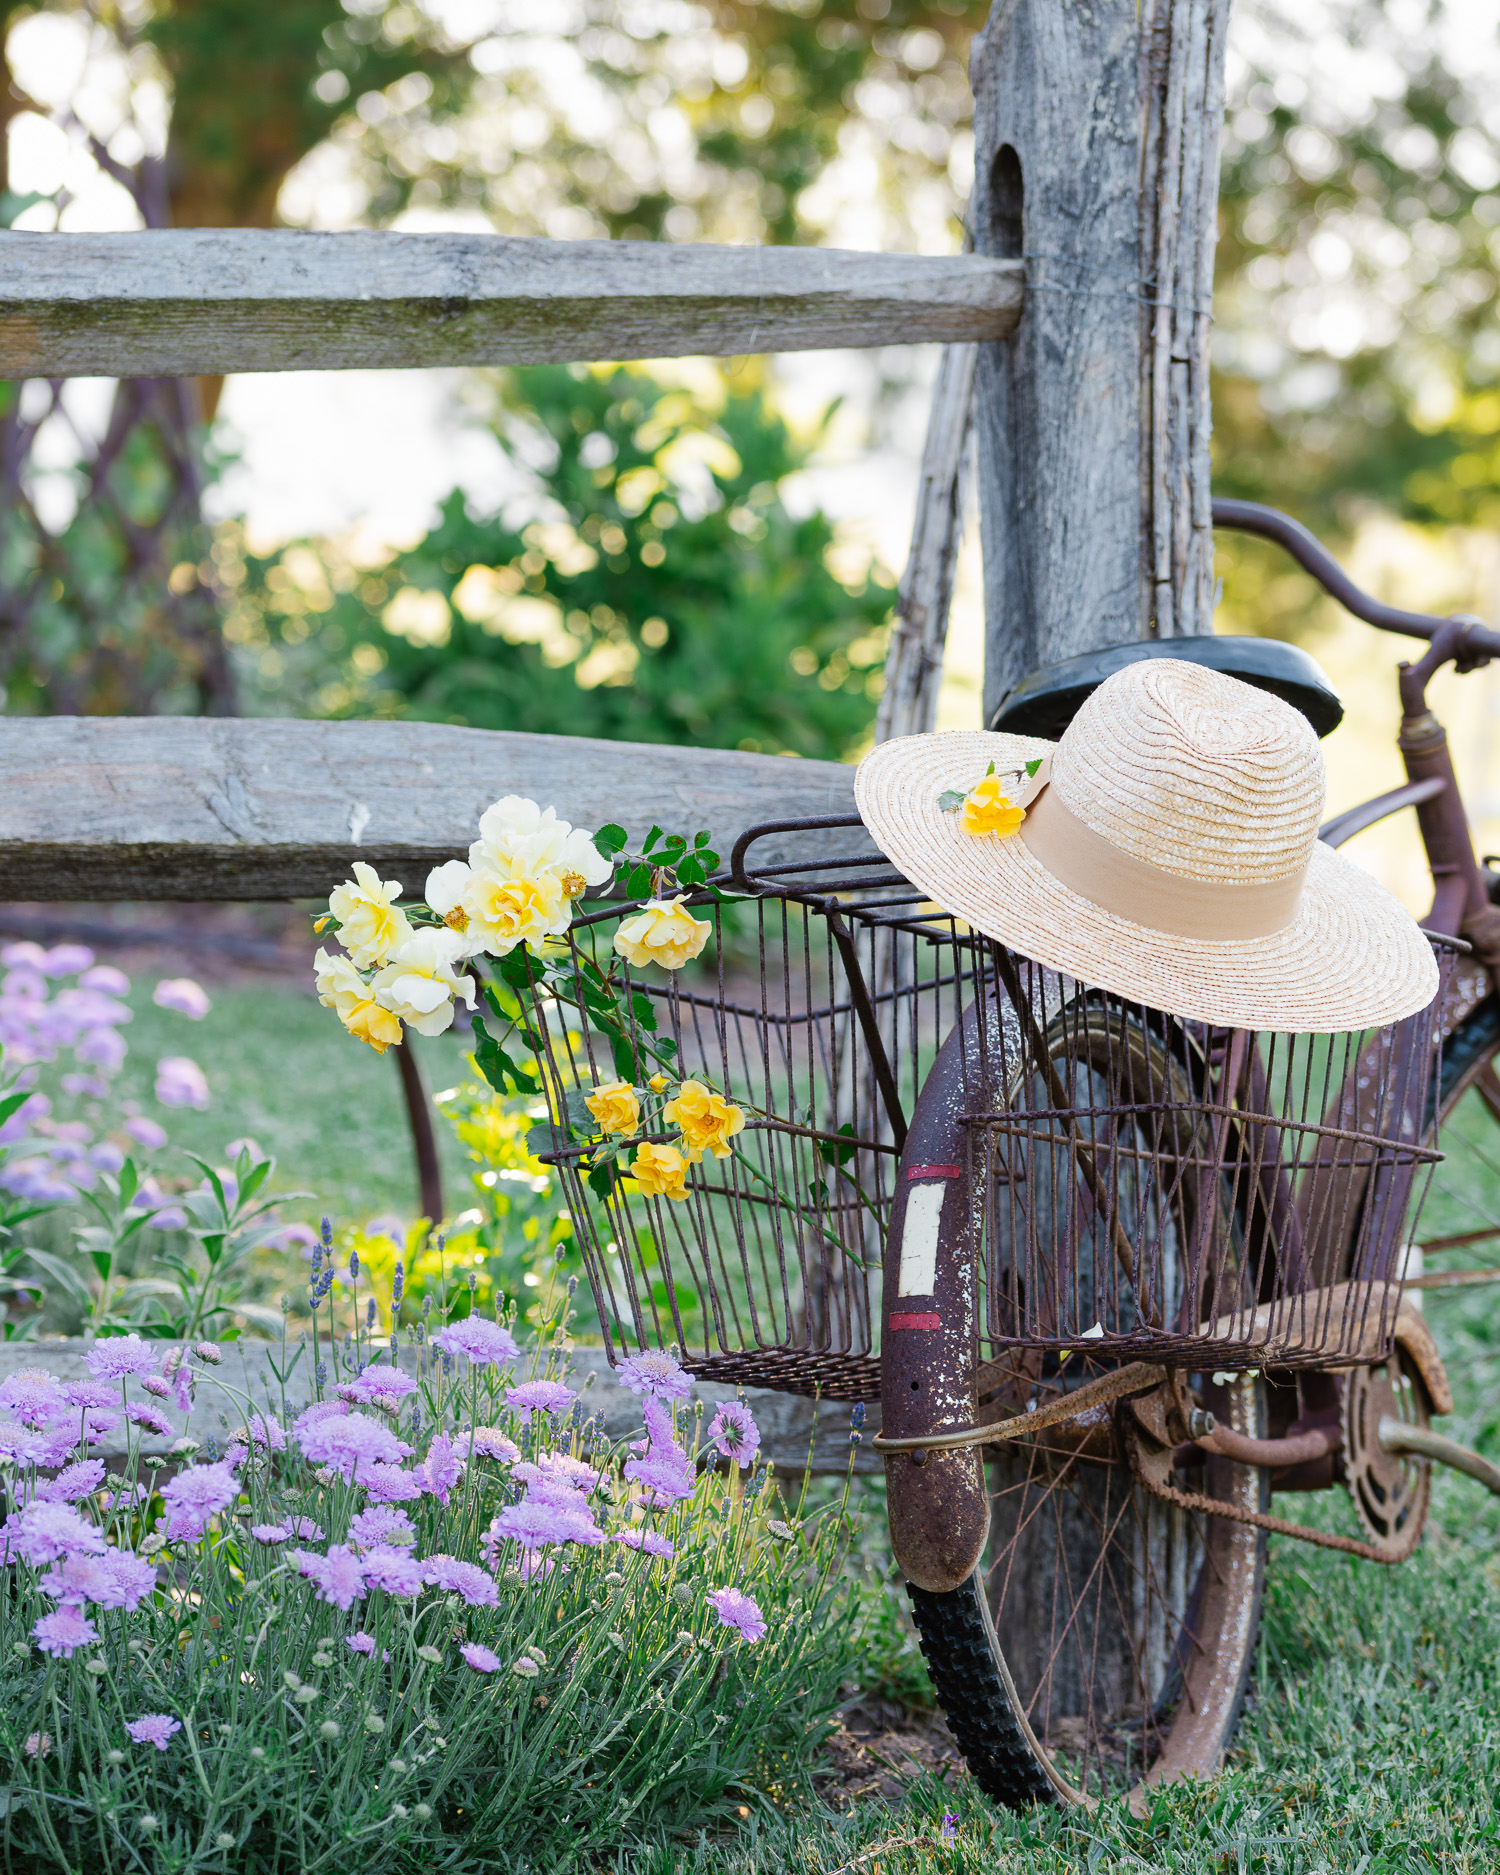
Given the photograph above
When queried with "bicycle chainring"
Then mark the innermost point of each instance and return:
(1390, 1490)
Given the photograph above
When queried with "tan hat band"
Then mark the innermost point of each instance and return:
(1116, 881)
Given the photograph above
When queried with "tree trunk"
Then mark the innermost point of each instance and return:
(1096, 130)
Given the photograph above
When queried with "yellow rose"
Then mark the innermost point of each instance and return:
(707, 1121)
(659, 1170)
(987, 809)
(661, 933)
(344, 990)
(421, 982)
(505, 912)
(658, 1082)
(616, 1108)
(371, 925)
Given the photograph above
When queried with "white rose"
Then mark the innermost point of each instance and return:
(419, 983)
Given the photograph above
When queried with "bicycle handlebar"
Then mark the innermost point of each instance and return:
(1251, 517)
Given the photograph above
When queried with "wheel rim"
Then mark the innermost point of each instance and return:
(1128, 1623)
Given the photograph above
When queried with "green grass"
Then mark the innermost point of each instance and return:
(281, 1070)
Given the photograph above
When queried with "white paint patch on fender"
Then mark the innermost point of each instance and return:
(919, 1239)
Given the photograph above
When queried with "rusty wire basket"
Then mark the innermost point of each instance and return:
(1137, 1186)
(1200, 1196)
(816, 1008)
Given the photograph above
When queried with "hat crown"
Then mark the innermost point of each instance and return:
(1194, 772)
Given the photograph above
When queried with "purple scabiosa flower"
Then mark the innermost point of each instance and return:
(180, 1082)
(535, 1522)
(461, 1578)
(735, 1433)
(441, 1469)
(491, 1442)
(146, 1132)
(381, 1524)
(338, 1577)
(349, 1445)
(95, 1424)
(106, 979)
(32, 1394)
(63, 1632)
(647, 1541)
(393, 1570)
(184, 995)
(555, 1469)
(485, 1343)
(158, 1386)
(306, 1530)
(134, 1578)
(118, 1356)
(480, 1658)
(320, 1409)
(153, 1728)
(91, 1393)
(361, 1642)
(656, 1372)
(209, 1351)
(269, 1533)
(666, 1472)
(79, 1578)
(385, 1387)
(389, 1484)
(73, 1482)
(38, 1744)
(739, 1612)
(22, 1443)
(44, 1532)
(150, 1419)
(128, 1497)
(539, 1396)
(200, 1492)
(260, 1429)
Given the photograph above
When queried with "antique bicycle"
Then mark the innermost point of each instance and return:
(1115, 1277)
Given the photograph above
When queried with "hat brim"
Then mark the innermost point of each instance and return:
(1353, 957)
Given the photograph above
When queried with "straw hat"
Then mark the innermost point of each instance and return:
(1168, 853)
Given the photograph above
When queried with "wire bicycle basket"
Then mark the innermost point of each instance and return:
(815, 1009)
(1137, 1186)
(1208, 1197)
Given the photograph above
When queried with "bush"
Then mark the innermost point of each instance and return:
(517, 1658)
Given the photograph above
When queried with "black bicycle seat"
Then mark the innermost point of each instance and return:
(1046, 701)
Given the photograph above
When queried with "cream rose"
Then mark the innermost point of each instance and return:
(616, 1108)
(705, 1119)
(659, 1171)
(344, 990)
(516, 837)
(661, 933)
(419, 984)
(370, 923)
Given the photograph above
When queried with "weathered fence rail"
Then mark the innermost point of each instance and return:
(176, 302)
(240, 808)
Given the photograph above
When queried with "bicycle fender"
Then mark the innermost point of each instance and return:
(939, 1508)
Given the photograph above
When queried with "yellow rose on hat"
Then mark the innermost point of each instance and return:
(706, 1120)
(344, 990)
(661, 933)
(988, 808)
(659, 1170)
(616, 1108)
(371, 925)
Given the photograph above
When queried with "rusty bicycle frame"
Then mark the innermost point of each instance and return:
(1339, 1422)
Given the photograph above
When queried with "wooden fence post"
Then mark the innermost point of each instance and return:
(1096, 133)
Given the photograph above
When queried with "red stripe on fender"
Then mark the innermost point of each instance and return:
(916, 1321)
(931, 1171)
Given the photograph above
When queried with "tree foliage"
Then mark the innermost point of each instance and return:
(655, 586)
